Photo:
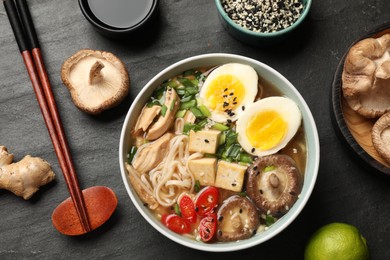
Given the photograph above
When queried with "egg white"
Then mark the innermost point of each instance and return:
(246, 75)
(285, 107)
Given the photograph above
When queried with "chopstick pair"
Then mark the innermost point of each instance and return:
(26, 38)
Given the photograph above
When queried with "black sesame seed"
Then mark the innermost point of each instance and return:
(234, 184)
(225, 89)
(229, 121)
(207, 141)
(253, 150)
(255, 168)
(231, 94)
(243, 108)
(240, 211)
(220, 218)
(261, 191)
(196, 209)
(234, 98)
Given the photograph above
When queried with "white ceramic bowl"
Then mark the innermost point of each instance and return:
(271, 75)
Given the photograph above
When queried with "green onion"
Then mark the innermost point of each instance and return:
(171, 84)
(210, 155)
(159, 92)
(222, 138)
(172, 104)
(163, 110)
(205, 111)
(181, 113)
(220, 127)
(181, 91)
(269, 220)
(187, 105)
(233, 151)
(153, 103)
(245, 158)
(131, 154)
(196, 112)
(231, 137)
(188, 127)
(269, 168)
(197, 186)
(186, 99)
(191, 91)
(188, 72)
(185, 82)
(177, 209)
(202, 123)
(195, 82)
(242, 194)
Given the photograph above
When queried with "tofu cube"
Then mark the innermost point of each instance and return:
(205, 141)
(230, 176)
(204, 170)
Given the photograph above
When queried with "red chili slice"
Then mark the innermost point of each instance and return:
(207, 227)
(187, 208)
(176, 223)
(207, 200)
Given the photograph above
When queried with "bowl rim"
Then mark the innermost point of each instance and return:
(301, 18)
(274, 229)
(105, 27)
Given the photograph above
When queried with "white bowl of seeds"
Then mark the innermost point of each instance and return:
(260, 22)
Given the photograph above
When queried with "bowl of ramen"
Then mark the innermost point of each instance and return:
(219, 152)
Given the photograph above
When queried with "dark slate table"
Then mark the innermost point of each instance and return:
(345, 191)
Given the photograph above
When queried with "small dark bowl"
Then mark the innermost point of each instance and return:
(139, 27)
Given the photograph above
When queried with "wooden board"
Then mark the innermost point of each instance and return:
(353, 128)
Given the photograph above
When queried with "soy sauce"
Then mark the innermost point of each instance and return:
(120, 13)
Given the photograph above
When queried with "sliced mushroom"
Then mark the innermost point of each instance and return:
(96, 80)
(144, 191)
(366, 77)
(381, 136)
(148, 114)
(165, 121)
(273, 184)
(237, 219)
(150, 155)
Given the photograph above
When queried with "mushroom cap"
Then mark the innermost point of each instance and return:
(237, 219)
(366, 77)
(273, 184)
(96, 80)
(381, 136)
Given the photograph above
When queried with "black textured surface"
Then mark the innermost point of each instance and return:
(345, 192)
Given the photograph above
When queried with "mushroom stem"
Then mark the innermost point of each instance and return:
(274, 180)
(95, 75)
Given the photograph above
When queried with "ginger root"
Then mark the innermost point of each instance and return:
(23, 178)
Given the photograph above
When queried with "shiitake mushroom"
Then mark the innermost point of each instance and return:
(237, 219)
(273, 184)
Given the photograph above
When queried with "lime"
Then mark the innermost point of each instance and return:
(337, 241)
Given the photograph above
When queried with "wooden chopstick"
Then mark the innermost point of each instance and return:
(29, 48)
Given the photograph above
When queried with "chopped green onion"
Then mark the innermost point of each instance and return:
(171, 84)
(181, 113)
(220, 127)
(196, 112)
(195, 82)
(163, 110)
(172, 104)
(205, 111)
(177, 209)
(202, 123)
(210, 155)
(131, 154)
(269, 168)
(231, 137)
(187, 105)
(242, 194)
(269, 220)
(222, 138)
(197, 186)
(181, 91)
(153, 103)
(185, 82)
(233, 151)
(245, 158)
(191, 91)
(188, 72)
(186, 99)
(188, 127)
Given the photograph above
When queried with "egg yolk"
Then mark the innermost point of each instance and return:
(266, 129)
(224, 92)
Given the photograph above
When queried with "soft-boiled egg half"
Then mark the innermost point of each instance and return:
(228, 90)
(268, 125)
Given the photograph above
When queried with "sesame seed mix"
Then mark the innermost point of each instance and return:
(264, 16)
